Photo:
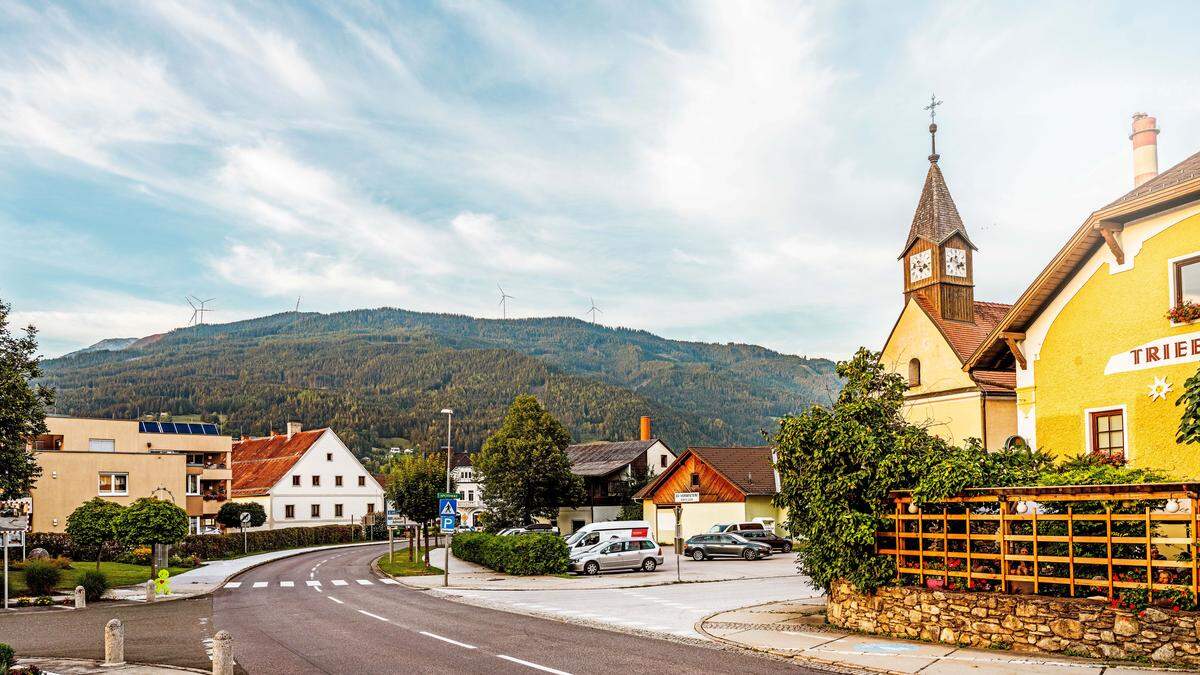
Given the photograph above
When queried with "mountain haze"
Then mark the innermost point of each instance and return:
(380, 376)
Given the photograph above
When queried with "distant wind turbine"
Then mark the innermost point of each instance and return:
(593, 309)
(504, 298)
(198, 312)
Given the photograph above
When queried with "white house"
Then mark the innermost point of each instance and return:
(304, 478)
(470, 506)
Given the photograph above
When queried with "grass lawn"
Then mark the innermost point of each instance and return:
(403, 568)
(119, 574)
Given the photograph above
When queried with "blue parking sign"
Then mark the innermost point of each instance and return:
(447, 514)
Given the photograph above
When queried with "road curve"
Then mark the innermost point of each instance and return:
(354, 623)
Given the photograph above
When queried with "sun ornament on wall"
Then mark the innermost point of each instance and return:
(1159, 389)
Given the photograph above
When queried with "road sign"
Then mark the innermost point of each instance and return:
(447, 511)
(393, 518)
(447, 523)
(449, 495)
(244, 516)
(687, 497)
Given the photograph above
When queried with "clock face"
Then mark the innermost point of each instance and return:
(956, 262)
(920, 266)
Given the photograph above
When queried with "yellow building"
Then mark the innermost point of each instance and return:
(1099, 363)
(123, 460)
(942, 324)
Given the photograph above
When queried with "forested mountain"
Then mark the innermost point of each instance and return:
(380, 377)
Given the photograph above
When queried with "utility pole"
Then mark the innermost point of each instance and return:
(449, 413)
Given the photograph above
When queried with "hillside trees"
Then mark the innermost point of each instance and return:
(22, 408)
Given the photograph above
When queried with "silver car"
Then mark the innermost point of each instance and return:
(624, 553)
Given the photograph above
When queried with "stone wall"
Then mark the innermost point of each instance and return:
(1029, 624)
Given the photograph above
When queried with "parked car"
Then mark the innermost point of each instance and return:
(541, 528)
(734, 527)
(705, 546)
(776, 542)
(594, 533)
(623, 553)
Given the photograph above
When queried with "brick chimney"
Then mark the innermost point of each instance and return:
(293, 428)
(1145, 148)
(646, 435)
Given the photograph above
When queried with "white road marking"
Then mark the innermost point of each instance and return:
(390, 582)
(373, 616)
(533, 665)
(364, 582)
(233, 584)
(335, 600)
(340, 582)
(260, 584)
(446, 639)
(287, 584)
(310, 582)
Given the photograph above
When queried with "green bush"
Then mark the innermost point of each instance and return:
(94, 584)
(8, 658)
(214, 546)
(41, 577)
(524, 555)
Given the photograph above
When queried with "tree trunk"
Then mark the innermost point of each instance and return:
(425, 530)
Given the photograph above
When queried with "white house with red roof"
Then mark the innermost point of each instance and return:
(304, 478)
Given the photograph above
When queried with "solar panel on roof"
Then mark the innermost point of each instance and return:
(167, 427)
(197, 429)
(210, 429)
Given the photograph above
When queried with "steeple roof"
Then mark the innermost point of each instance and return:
(936, 219)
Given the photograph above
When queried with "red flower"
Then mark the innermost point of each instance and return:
(1175, 608)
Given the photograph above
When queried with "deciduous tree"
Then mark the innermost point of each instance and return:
(230, 514)
(150, 521)
(94, 524)
(22, 409)
(413, 486)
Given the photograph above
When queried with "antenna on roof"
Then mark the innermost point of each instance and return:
(593, 309)
(504, 298)
(198, 312)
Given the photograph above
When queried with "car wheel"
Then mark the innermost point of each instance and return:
(787, 548)
(698, 555)
(592, 568)
(648, 565)
(749, 554)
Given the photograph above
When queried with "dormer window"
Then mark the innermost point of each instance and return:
(914, 373)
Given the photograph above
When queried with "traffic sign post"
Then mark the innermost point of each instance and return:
(447, 516)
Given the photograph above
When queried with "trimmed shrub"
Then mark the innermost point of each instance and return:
(41, 577)
(213, 546)
(94, 584)
(524, 554)
(8, 658)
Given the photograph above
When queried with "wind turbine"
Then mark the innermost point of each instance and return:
(593, 309)
(195, 310)
(504, 298)
(198, 312)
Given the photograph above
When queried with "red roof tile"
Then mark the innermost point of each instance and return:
(964, 336)
(259, 463)
(995, 380)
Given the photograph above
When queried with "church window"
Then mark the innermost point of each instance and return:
(914, 372)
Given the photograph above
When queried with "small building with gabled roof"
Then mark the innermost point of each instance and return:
(304, 478)
(608, 469)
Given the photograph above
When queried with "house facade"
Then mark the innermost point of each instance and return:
(304, 479)
(470, 501)
(712, 486)
(1099, 363)
(942, 324)
(185, 463)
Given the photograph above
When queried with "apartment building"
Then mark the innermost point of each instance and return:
(123, 460)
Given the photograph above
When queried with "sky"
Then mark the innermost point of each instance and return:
(718, 171)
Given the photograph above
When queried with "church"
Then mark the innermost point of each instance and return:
(942, 324)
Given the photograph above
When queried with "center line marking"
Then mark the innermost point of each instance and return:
(310, 582)
(335, 600)
(339, 582)
(259, 584)
(373, 616)
(287, 584)
(446, 639)
(533, 665)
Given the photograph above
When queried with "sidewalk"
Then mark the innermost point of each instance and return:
(469, 576)
(88, 667)
(797, 629)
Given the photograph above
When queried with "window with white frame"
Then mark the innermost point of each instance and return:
(102, 445)
(193, 484)
(1185, 281)
(315, 511)
(113, 484)
(1107, 431)
(193, 524)
(337, 510)
(289, 511)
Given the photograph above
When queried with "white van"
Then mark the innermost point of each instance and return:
(590, 535)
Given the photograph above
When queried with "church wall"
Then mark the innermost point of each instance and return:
(954, 417)
(1001, 420)
(916, 336)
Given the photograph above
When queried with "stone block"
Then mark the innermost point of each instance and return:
(1125, 625)
(981, 612)
(948, 636)
(1155, 615)
(1026, 609)
(1067, 628)
(1012, 623)
(1107, 636)
(1111, 651)
(1164, 654)
(1051, 644)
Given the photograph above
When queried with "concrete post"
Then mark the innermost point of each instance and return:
(80, 598)
(150, 591)
(114, 643)
(222, 653)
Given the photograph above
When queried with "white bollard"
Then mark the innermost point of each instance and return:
(222, 653)
(80, 598)
(150, 591)
(114, 643)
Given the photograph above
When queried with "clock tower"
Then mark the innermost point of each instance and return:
(938, 255)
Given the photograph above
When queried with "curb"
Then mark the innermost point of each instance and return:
(34, 660)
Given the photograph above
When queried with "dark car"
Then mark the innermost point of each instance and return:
(705, 546)
(776, 542)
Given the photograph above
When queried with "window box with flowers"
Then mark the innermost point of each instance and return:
(1185, 312)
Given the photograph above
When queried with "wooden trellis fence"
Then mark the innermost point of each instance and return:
(1056, 540)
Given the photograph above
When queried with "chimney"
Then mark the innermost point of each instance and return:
(1145, 148)
(646, 435)
(293, 428)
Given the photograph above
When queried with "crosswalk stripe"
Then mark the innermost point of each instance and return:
(310, 582)
(364, 582)
(260, 584)
(340, 582)
(233, 584)
(390, 582)
(287, 584)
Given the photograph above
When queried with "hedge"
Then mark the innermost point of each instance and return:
(524, 554)
(210, 546)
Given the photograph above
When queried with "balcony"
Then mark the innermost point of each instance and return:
(216, 474)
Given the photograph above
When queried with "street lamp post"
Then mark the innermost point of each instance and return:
(449, 413)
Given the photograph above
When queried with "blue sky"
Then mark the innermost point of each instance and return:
(716, 171)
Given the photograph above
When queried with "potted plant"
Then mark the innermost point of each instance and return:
(1185, 312)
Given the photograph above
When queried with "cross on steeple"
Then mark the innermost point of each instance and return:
(934, 102)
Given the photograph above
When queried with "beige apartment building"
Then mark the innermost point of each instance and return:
(123, 460)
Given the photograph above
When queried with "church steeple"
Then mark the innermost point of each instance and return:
(938, 253)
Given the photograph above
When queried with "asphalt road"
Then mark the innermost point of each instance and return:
(347, 626)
